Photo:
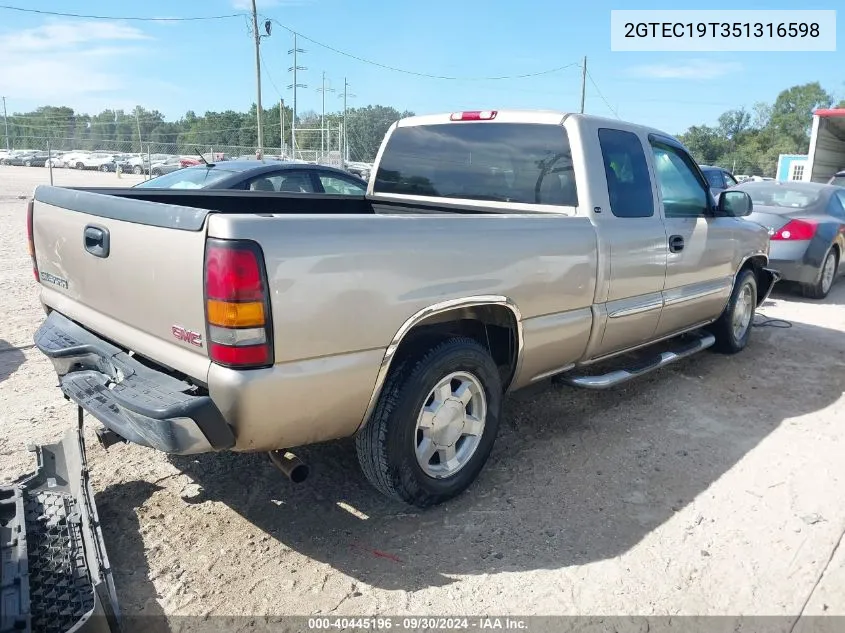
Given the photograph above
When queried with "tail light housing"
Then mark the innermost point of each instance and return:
(475, 115)
(796, 230)
(30, 237)
(237, 305)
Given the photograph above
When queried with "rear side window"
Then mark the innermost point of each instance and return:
(714, 178)
(626, 169)
(507, 162)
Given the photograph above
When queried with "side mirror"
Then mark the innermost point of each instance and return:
(735, 204)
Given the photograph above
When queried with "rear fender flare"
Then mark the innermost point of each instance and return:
(427, 312)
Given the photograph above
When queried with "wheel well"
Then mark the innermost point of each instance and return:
(493, 326)
(756, 264)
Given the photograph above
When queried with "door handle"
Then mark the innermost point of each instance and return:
(676, 243)
(96, 240)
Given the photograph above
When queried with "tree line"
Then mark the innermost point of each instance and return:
(135, 130)
(749, 142)
(743, 141)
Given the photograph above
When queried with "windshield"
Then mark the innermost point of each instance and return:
(508, 162)
(775, 194)
(188, 178)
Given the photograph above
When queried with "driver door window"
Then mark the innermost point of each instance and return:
(684, 195)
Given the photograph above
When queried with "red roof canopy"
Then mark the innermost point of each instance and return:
(830, 112)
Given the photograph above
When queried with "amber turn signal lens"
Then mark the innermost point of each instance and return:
(230, 314)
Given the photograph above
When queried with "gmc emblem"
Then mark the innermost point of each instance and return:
(181, 334)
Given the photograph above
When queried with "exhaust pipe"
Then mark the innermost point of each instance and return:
(293, 468)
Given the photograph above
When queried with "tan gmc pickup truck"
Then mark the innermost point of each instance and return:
(491, 251)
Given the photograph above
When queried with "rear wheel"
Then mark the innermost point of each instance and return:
(80, 166)
(827, 273)
(733, 329)
(28, 163)
(434, 425)
(137, 170)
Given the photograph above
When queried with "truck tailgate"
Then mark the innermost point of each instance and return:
(127, 269)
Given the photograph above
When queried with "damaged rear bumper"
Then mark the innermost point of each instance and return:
(139, 403)
(54, 571)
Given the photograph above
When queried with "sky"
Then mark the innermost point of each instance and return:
(92, 65)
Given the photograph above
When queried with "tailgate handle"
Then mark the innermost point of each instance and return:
(97, 240)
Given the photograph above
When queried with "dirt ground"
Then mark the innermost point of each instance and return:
(711, 487)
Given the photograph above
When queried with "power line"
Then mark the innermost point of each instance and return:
(609, 107)
(269, 75)
(421, 74)
(113, 17)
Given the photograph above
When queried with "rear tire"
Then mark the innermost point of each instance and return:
(80, 166)
(412, 455)
(733, 329)
(826, 277)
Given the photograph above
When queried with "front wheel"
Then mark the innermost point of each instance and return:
(137, 170)
(733, 329)
(434, 425)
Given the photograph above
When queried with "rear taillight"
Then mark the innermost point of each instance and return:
(796, 230)
(476, 115)
(237, 304)
(30, 208)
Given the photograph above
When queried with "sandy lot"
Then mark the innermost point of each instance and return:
(713, 487)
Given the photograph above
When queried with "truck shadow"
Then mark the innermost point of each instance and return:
(575, 476)
(785, 291)
(11, 358)
(136, 594)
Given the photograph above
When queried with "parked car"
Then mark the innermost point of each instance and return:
(165, 166)
(837, 179)
(28, 159)
(256, 175)
(806, 223)
(719, 179)
(410, 311)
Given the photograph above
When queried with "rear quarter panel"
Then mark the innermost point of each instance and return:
(344, 284)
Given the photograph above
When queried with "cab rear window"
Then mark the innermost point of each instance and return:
(507, 162)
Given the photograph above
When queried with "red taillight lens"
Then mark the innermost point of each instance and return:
(796, 230)
(237, 304)
(475, 115)
(30, 209)
(232, 274)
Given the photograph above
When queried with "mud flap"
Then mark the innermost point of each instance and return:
(771, 277)
(54, 572)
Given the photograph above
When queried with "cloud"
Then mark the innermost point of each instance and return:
(83, 64)
(692, 69)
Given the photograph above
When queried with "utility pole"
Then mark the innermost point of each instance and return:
(282, 125)
(294, 85)
(6, 123)
(344, 149)
(138, 124)
(324, 90)
(583, 83)
(257, 36)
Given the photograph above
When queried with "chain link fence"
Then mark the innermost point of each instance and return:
(322, 146)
